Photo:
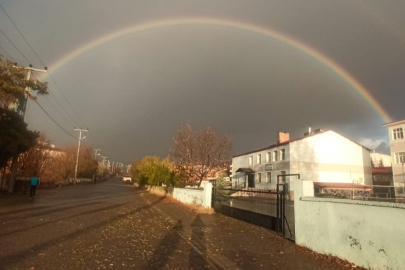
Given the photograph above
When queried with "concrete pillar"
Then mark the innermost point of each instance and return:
(207, 194)
(302, 188)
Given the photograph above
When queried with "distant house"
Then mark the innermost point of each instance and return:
(380, 160)
(322, 156)
(397, 144)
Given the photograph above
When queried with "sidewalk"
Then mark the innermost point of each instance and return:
(232, 244)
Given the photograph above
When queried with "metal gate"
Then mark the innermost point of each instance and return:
(265, 208)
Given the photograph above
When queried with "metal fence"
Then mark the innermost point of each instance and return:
(261, 207)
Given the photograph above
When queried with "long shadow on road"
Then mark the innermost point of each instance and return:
(54, 210)
(61, 219)
(9, 260)
(72, 204)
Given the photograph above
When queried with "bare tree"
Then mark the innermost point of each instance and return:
(199, 152)
(64, 163)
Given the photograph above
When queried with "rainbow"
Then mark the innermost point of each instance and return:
(346, 76)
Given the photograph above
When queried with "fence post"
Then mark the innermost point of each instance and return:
(283, 214)
(214, 193)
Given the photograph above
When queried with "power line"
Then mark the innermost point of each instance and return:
(53, 95)
(9, 56)
(21, 34)
(54, 120)
(15, 46)
(50, 75)
(32, 49)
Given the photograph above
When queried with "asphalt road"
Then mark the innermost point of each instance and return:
(111, 225)
(103, 226)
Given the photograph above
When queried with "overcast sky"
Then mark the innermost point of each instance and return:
(134, 91)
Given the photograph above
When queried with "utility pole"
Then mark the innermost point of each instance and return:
(14, 163)
(95, 154)
(103, 157)
(78, 147)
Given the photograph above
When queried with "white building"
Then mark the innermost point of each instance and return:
(322, 156)
(381, 160)
(397, 144)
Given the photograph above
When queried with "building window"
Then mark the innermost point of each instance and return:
(275, 156)
(400, 158)
(268, 177)
(397, 133)
(282, 154)
(259, 159)
(268, 157)
(251, 160)
(259, 177)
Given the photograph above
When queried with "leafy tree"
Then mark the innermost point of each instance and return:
(13, 85)
(13, 98)
(154, 171)
(222, 193)
(15, 138)
(163, 175)
(200, 152)
(102, 170)
(87, 163)
(66, 162)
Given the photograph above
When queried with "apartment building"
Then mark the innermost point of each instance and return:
(397, 144)
(321, 156)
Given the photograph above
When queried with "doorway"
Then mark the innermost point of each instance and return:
(251, 180)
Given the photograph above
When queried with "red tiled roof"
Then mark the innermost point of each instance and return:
(380, 170)
(298, 139)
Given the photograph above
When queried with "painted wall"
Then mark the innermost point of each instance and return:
(377, 158)
(278, 166)
(330, 157)
(368, 234)
(325, 157)
(194, 196)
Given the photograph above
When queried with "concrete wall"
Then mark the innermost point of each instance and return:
(368, 234)
(194, 196)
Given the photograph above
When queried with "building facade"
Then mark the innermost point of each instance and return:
(322, 156)
(396, 132)
(381, 160)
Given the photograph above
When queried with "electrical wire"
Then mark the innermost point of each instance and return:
(53, 95)
(14, 46)
(50, 75)
(54, 120)
(9, 56)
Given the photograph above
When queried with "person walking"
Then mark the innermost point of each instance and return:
(34, 182)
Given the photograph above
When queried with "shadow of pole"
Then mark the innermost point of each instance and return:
(165, 248)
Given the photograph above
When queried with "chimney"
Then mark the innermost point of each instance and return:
(282, 137)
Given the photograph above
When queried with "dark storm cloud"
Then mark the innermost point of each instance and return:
(134, 91)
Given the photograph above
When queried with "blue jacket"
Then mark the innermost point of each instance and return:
(34, 181)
